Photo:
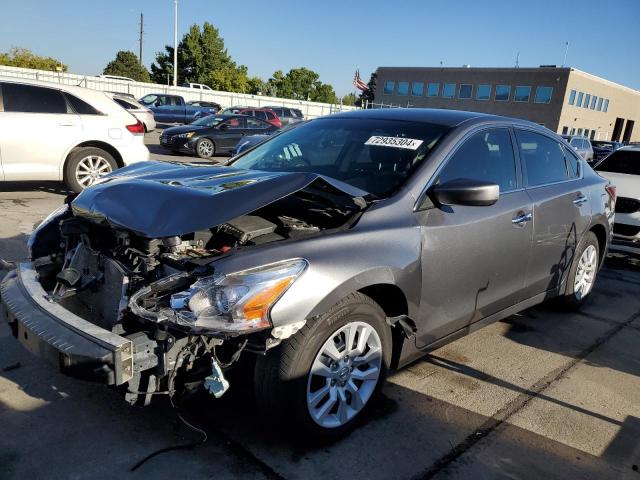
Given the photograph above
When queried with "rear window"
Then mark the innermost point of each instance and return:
(123, 104)
(80, 106)
(32, 99)
(543, 158)
(621, 161)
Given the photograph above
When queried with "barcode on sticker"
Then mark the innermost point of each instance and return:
(395, 142)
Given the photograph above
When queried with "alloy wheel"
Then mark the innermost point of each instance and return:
(586, 272)
(90, 168)
(344, 374)
(205, 148)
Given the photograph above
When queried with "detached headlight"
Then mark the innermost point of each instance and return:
(237, 302)
(186, 135)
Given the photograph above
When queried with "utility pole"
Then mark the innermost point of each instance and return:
(566, 50)
(518, 60)
(175, 43)
(141, 33)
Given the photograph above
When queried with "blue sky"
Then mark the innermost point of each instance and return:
(332, 37)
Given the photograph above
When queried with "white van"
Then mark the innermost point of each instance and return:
(59, 132)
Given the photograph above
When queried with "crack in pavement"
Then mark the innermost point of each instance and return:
(518, 403)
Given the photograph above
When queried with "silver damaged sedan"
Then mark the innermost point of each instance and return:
(320, 259)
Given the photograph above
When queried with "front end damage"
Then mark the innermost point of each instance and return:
(149, 314)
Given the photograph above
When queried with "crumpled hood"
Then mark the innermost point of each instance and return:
(164, 199)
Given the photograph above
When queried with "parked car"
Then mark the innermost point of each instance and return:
(250, 141)
(116, 77)
(197, 86)
(173, 108)
(213, 135)
(135, 108)
(200, 103)
(262, 113)
(288, 115)
(602, 148)
(50, 131)
(123, 94)
(582, 145)
(322, 258)
(622, 167)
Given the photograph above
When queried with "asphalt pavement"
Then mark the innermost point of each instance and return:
(542, 394)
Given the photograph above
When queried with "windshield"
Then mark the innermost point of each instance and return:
(603, 145)
(208, 121)
(373, 155)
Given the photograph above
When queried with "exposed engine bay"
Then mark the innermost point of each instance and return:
(187, 324)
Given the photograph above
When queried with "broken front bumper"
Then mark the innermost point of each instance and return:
(75, 346)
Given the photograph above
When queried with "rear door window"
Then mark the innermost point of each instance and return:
(255, 124)
(32, 99)
(621, 161)
(542, 157)
(486, 156)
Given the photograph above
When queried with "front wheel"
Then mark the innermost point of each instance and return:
(582, 275)
(322, 380)
(205, 148)
(85, 165)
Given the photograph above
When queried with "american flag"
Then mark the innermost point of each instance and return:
(358, 82)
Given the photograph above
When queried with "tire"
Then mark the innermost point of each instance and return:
(586, 261)
(205, 148)
(283, 381)
(84, 165)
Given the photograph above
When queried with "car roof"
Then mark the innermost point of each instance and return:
(449, 118)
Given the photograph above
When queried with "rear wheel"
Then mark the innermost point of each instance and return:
(322, 380)
(85, 165)
(582, 275)
(205, 148)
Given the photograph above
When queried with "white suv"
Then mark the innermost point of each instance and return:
(622, 167)
(59, 132)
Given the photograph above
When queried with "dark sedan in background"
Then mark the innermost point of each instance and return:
(213, 135)
(602, 148)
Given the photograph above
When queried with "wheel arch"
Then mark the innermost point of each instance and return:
(601, 234)
(96, 144)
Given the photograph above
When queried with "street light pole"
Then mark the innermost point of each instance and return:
(175, 43)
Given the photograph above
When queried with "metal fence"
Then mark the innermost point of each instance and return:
(140, 89)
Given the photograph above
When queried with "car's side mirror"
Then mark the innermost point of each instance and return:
(575, 148)
(223, 126)
(468, 192)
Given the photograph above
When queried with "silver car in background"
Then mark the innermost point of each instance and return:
(581, 145)
(321, 258)
(138, 110)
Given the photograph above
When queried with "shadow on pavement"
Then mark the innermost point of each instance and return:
(41, 186)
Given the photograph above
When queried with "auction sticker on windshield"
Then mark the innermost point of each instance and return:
(395, 142)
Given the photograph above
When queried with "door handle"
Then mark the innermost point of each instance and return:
(521, 218)
(67, 124)
(580, 200)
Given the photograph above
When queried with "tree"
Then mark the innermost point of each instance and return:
(349, 99)
(301, 84)
(256, 86)
(202, 58)
(24, 58)
(127, 64)
(368, 95)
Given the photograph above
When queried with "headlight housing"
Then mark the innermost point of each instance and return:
(238, 302)
(45, 225)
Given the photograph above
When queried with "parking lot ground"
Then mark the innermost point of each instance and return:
(542, 394)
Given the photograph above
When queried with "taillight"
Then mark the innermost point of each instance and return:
(611, 190)
(137, 127)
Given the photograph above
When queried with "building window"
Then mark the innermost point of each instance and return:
(579, 102)
(483, 92)
(572, 131)
(606, 105)
(502, 93)
(543, 95)
(389, 86)
(587, 99)
(565, 129)
(594, 99)
(403, 88)
(417, 88)
(586, 132)
(579, 131)
(572, 97)
(600, 104)
(522, 94)
(465, 91)
(449, 90)
(433, 90)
